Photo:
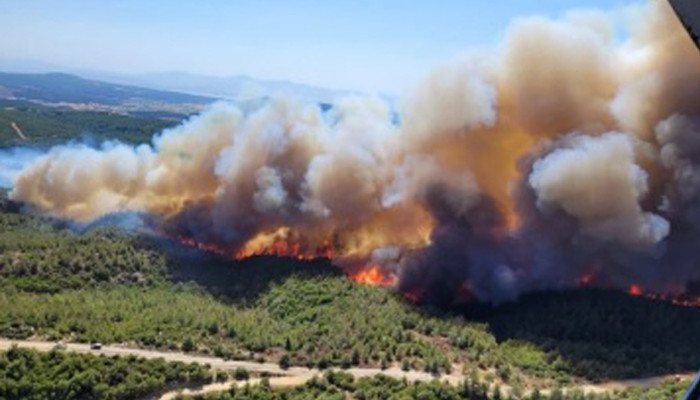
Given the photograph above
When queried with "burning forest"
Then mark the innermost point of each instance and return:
(564, 157)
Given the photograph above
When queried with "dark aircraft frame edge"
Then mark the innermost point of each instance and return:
(688, 12)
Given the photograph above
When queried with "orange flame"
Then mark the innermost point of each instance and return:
(372, 275)
(286, 249)
(280, 243)
(636, 290)
(683, 299)
(210, 248)
(285, 243)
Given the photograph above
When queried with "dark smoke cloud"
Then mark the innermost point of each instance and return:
(562, 157)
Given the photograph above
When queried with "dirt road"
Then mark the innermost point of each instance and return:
(294, 376)
(18, 131)
(297, 376)
(228, 365)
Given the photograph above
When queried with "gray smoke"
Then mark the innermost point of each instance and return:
(562, 157)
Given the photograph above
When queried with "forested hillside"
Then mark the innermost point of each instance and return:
(116, 287)
(44, 126)
(340, 386)
(30, 375)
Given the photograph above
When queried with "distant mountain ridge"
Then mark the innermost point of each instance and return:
(238, 87)
(62, 87)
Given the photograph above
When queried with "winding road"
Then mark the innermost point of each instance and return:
(294, 376)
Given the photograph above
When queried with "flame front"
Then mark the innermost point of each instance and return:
(284, 242)
(372, 275)
(636, 290)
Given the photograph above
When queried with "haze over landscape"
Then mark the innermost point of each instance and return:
(367, 46)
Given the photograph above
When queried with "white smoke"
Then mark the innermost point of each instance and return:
(596, 180)
(438, 174)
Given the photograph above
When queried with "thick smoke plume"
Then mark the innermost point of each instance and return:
(563, 157)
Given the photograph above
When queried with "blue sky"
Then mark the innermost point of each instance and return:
(380, 45)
